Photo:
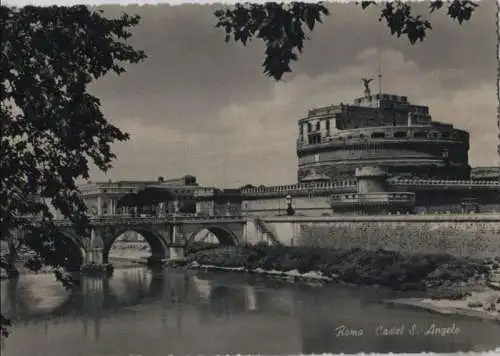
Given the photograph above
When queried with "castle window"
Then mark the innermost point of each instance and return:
(318, 126)
(420, 134)
(309, 127)
(314, 139)
(378, 135)
(399, 134)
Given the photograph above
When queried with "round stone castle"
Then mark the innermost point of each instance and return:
(383, 130)
(381, 155)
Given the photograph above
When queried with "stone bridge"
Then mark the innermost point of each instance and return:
(168, 236)
(474, 235)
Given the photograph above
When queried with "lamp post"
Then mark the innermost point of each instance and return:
(289, 209)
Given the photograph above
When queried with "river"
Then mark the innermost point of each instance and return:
(140, 312)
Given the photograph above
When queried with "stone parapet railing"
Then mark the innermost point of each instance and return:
(300, 188)
(351, 185)
(446, 183)
(407, 198)
(154, 220)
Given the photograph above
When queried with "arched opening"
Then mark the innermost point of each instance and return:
(209, 238)
(71, 251)
(135, 244)
(63, 248)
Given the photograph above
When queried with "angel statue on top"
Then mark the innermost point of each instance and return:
(366, 83)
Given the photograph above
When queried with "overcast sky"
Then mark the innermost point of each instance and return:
(200, 106)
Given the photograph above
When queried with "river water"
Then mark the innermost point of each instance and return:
(140, 312)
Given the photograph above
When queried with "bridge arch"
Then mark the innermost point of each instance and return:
(70, 249)
(224, 235)
(154, 238)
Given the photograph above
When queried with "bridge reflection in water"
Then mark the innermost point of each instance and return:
(145, 312)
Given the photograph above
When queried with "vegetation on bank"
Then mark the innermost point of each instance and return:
(415, 272)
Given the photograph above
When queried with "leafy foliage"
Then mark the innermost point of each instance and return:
(51, 126)
(145, 197)
(280, 25)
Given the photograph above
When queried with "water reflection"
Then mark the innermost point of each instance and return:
(144, 312)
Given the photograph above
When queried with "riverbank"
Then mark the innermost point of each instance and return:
(448, 284)
(482, 305)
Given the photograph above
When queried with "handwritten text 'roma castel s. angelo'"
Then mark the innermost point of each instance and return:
(399, 330)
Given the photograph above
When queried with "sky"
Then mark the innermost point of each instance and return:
(201, 106)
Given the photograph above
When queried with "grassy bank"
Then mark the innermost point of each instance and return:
(446, 276)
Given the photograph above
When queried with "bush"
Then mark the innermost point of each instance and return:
(387, 268)
(308, 263)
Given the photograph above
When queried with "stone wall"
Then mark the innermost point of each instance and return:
(473, 239)
(306, 206)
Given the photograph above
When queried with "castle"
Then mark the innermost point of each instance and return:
(383, 154)
(379, 155)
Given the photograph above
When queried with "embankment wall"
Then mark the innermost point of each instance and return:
(463, 236)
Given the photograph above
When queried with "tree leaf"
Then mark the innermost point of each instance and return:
(51, 126)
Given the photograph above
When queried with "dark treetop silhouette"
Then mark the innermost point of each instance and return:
(280, 25)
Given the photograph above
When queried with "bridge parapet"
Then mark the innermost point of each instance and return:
(300, 188)
(128, 220)
(202, 219)
(117, 220)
